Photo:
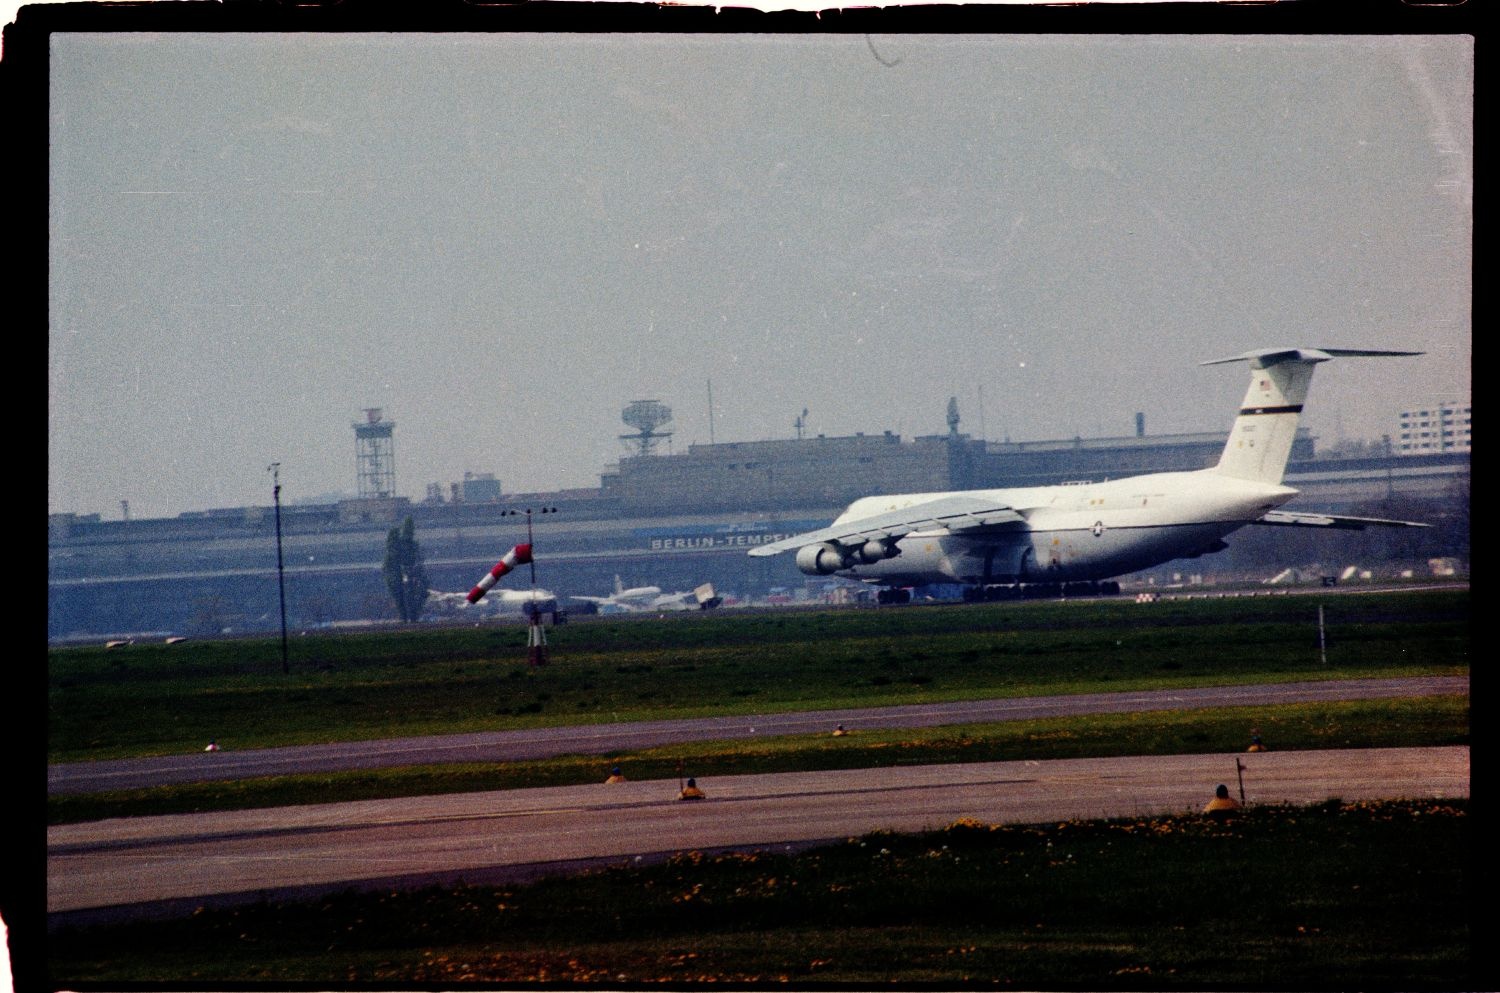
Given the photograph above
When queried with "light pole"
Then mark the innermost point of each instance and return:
(536, 637)
(275, 469)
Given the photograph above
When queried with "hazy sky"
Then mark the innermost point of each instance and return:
(502, 240)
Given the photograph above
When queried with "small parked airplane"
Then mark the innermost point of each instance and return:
(643, 598)
(498, 601)
(1086, 532)
(635, 598)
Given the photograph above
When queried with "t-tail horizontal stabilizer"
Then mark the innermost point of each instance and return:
(1261, 440)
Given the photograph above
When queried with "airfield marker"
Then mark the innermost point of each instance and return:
(275, 470)
(512, 558)
(1322, 642)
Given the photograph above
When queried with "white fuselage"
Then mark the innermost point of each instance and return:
(1077, 531)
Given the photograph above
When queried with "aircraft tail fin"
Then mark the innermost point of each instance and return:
(1261, 440)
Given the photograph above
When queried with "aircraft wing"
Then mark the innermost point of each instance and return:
(1288, 518)
(958, 513)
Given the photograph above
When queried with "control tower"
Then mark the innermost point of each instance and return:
(375, 455)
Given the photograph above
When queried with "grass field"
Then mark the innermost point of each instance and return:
(159, 699)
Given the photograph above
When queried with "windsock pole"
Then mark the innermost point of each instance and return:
(536, 638)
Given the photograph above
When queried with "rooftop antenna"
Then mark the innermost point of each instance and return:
(646, 416)
(710, 411)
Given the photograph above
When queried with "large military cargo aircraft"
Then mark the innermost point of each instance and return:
(1082, 533)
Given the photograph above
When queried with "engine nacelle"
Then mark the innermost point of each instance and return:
(876, 550)
(821, 560)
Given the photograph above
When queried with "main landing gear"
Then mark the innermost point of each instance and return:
(1041, 591)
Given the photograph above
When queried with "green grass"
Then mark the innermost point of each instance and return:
(158, 699)
(1348, 896)
(1353, 724)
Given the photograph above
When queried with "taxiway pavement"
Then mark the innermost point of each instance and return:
(171, 864)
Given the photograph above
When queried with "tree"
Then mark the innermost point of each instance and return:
(405, 575)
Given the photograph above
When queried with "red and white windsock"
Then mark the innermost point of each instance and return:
(519, 555)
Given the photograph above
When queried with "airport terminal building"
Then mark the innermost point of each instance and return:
(670, 520)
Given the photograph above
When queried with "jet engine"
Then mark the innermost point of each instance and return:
(821, 560)
(875, 550)
(826, 558)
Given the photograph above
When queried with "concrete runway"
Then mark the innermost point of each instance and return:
(154, 866)
(611, 739)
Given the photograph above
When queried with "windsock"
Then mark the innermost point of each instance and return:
(519, 555)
